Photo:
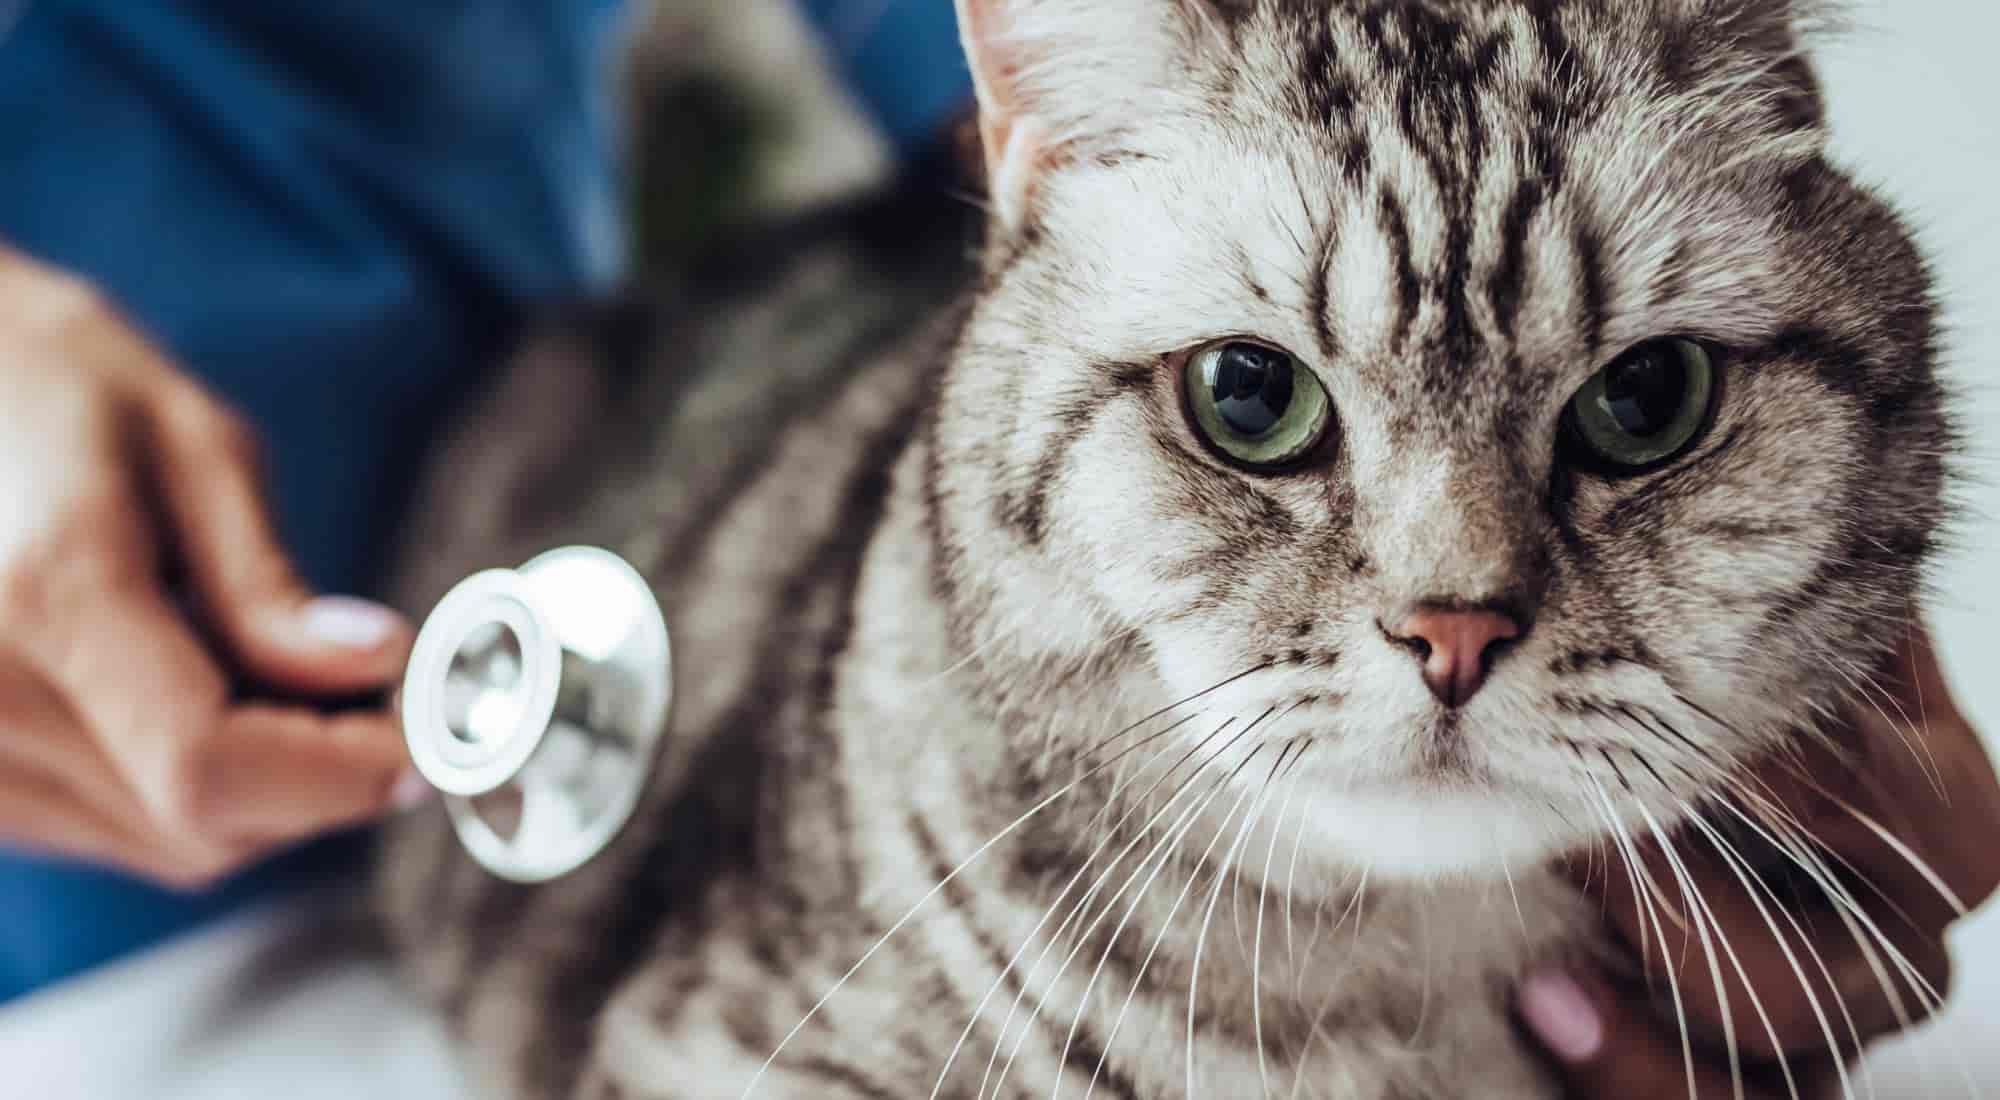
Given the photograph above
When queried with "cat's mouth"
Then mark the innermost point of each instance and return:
(1422, 824)
(1443, 795)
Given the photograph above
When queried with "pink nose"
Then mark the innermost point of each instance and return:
(1456, 648)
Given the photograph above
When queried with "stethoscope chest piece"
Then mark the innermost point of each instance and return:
(536, 700)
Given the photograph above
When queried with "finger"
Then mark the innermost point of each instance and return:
(156, 704)
(1604, 1045)
(150, 695)
(1825, 807)
(39, 813)
(39, 733)
(1778, 972)
(208, 478)
(286, 773)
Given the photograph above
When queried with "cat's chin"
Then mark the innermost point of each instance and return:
(1415, 830)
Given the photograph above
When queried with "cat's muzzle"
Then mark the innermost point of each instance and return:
(536, 700)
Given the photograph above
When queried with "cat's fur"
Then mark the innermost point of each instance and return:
(925, 561)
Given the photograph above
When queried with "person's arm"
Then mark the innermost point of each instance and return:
(125, 736)
(1884, 847)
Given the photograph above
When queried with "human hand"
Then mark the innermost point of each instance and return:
(1907, 833)
(122, 737)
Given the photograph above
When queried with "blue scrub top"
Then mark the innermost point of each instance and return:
(901, 58)
(331, 212)
(334, 213)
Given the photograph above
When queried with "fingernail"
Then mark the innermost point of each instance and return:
(348, 622)
(1562, 1015)
(411, 791)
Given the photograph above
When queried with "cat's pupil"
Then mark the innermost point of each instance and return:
(1252, 388)
(1644, 390)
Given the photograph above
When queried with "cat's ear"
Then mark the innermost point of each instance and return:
(1056, 76)
(1772, 39)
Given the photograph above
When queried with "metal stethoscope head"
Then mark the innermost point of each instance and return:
(536, 700)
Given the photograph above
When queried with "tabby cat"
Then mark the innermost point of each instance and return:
(1165, 626)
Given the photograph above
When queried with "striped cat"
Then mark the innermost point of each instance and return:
(1164, 628)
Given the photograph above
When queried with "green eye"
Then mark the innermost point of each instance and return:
(1644, 409)
(1256, 404)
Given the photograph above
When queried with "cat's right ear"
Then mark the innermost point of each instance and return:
(1011, 138)
(1055, 77)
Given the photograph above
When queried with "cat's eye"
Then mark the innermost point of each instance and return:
(1256, 404)
(1644, 409)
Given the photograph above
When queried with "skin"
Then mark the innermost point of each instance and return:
(163, 670)
(1617, 1038)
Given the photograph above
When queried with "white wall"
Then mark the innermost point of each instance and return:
(1914, 90)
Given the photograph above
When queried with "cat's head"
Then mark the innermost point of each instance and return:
(1505, 394)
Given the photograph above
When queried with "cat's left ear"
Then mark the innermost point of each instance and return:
(1771, 40)
(1057, 77)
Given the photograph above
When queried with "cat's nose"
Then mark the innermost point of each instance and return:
(1455, 646)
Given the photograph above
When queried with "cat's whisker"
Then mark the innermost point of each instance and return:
(1754, 888)
(1249, 823)
(1162, 851)
(1902, 850)
(1424, 995)
(1167, 846)
(1868, 938)
(1305, 254)
(1082, 907)
(952, 876)
(1821, 854)
(1644, 896)
(1808, 851)
(977, 651)
(1236, 879)
(1705, 920)
(1049, 912)
(1318, 1027)
(1083, 904)
(1263, 889)
(972, 199)
(1312, 943)
(1681, 739)
(1637, 872)
(1111, 801)
(1292, 878)
(1908, 855)
(1513, 893)
(1158, 859)
(1171, 707)
(1905, 853)
(1166, 923)
(1790, 838)
(1797, 846)
(1868, 690)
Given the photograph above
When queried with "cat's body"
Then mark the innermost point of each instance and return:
(932, 567)
(790, 554)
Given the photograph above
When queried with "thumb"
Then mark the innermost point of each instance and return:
(208, 478)
(1606, 1045)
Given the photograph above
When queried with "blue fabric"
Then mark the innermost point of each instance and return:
(902, 60)
(331, 211)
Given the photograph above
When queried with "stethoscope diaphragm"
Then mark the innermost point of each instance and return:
(536, 700)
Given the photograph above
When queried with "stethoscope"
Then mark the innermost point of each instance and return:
(536, 700)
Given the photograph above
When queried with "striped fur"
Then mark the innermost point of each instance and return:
(938, 545)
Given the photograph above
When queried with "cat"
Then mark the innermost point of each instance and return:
(1156, 636)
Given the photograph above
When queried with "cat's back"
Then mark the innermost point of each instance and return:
(638, 424)
(731, 438)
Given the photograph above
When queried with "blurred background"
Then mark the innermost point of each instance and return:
(717, 112)
(1912, 99)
